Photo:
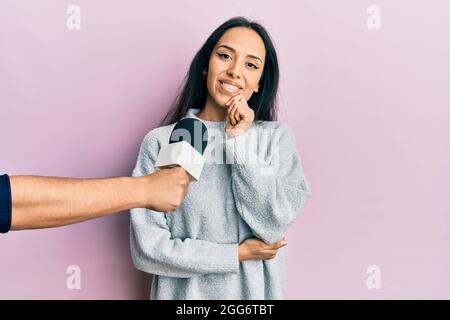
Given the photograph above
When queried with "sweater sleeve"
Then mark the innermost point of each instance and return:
(154, 250)
(268, 184)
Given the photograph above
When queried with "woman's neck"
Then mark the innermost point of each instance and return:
(212, 111)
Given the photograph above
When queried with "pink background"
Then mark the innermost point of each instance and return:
(370, 109)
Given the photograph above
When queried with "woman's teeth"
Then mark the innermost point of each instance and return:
(229, 87)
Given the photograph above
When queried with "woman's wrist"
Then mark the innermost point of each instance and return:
(242, 253)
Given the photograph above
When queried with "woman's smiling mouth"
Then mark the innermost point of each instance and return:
(228, 87)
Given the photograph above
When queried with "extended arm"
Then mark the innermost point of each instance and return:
(43, 202)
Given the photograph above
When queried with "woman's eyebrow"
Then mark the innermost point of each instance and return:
(234, 50)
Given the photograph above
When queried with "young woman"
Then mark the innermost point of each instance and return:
(224, 241)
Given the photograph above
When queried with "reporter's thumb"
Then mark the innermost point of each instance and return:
(182, 174)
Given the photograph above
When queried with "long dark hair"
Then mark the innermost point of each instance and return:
(194, 92)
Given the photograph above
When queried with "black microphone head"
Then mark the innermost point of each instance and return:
(193, 131)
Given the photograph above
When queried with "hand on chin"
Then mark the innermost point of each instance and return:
(239, 115)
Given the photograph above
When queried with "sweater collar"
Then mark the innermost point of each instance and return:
(192, 113)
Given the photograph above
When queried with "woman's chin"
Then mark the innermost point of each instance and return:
(220, 101)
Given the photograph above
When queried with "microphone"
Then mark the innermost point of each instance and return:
(187, 143)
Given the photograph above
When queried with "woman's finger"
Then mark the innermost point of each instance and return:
(277, 245)
(231, 111)
(232, 99)
(246, 113)
(271, 252)
(244, 110)
(236, 113)
(267, 255)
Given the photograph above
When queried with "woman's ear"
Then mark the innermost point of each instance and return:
(257, 88)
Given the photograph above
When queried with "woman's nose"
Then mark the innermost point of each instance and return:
(234, 71)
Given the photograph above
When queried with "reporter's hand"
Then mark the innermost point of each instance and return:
(252, 249)
(165, 189)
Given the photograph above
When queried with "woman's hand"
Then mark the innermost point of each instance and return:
(254, 249)
(239, 117)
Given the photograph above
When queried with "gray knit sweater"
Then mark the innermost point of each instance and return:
(252, 186)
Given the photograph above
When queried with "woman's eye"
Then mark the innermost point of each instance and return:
(224, 55)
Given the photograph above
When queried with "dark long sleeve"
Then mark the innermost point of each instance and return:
(5, 204)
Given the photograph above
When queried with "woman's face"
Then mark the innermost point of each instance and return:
(236, 65)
